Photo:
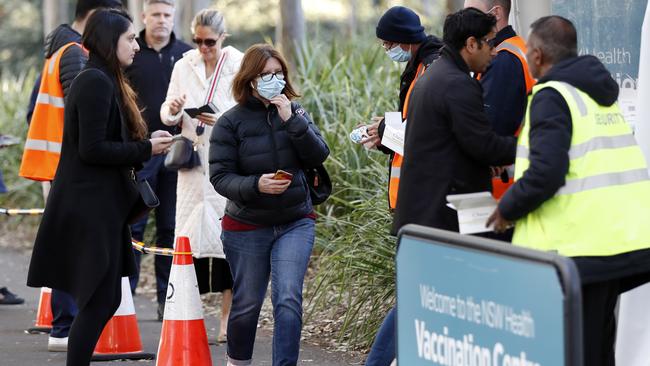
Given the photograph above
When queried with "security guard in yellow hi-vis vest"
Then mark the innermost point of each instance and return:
(582, 187)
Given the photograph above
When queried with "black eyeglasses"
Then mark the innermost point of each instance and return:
(387, 45)
(269, 75)
(208, 42)
(492, 42)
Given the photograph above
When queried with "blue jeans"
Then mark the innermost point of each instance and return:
(3, 188)
(282, 252)
(382, 352)
(163, 182)
(64, 309)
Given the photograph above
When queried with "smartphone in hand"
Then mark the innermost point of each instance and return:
(282, 175)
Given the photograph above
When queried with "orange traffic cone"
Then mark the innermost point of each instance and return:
(120, 339)
(183, 339)
(43, 323)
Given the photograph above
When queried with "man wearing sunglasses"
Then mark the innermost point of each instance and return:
(149, 74)
(506, 83)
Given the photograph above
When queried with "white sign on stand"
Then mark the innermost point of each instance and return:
(473, 210)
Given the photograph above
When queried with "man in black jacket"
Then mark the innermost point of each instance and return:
(449, 145)
(149, 75)
(72, 61)
(403, 37)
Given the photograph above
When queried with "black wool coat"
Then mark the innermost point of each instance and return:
(449, 145)
(84, 227)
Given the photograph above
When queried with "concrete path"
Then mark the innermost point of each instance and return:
(17, 348)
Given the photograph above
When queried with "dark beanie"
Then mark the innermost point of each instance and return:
(400, 25)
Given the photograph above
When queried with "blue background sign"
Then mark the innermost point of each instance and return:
(464, 307)
(611, 31)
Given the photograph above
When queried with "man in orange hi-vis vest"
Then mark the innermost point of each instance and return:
(64, 59)
(403, 38)
(506, 85)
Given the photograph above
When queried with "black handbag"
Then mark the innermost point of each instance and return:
(147, 201)
(320, 185)
(182, 155)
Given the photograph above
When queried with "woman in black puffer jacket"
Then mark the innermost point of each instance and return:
(268, 227)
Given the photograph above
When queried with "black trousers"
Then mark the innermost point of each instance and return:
(598, 322)
(92, 318)
(163, 182)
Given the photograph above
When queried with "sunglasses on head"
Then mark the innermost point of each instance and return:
(207, 42)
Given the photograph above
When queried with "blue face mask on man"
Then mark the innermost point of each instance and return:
(271, 86)
(397, 54)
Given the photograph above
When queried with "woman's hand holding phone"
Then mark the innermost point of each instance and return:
(270, 185)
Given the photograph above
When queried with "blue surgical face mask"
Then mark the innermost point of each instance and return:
(271, 88)
(397, 54)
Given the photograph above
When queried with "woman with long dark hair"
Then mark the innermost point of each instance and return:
(268, 227)
(83, 243)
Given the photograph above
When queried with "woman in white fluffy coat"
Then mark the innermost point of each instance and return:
(198, 206)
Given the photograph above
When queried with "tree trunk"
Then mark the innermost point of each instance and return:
(291, 30)
(135, 9)
(185, 12)
(428, 8)
(352, 17)
(55, 12)
(454, 5)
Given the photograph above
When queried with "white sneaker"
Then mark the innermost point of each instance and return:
(57, 344)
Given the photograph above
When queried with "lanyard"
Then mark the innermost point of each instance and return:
(200, 128)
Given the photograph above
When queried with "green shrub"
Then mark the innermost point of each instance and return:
(22, 193)
(344, 84)
(13, 108)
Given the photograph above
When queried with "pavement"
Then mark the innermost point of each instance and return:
(17, 348)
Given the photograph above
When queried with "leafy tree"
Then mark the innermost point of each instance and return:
(21, 34)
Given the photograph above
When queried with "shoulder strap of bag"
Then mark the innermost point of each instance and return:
(200, 128)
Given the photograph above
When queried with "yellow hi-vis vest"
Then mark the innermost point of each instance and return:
(603, 208)
(45, 134)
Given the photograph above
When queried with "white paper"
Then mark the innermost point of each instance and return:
(627, 101)
(473, 210)
(394, 132)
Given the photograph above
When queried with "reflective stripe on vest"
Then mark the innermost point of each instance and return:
(45, 135)
(603, 207)
(517, 46)
(43, 145)
(396, 162)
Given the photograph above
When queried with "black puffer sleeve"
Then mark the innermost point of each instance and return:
(73, 60)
